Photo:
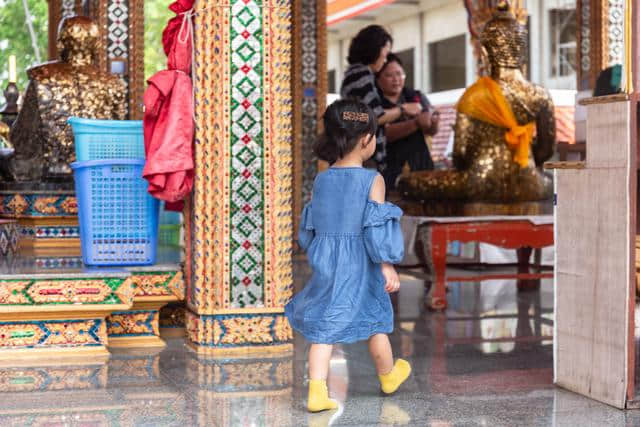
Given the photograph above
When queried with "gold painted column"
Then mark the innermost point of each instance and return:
(238, 269)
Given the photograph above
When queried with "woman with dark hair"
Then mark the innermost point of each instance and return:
(406, 143)
(367, 55)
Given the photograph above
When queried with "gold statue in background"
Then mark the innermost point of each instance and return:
(496, 155)
(57, 90)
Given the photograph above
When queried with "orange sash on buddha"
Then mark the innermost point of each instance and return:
(484, 101)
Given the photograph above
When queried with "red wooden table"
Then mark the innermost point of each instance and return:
(521, 235)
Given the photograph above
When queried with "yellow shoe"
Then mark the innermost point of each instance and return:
(391, 381)
(319, 397)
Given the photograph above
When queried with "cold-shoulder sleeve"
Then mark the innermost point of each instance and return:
(382, 234)
(306, 232)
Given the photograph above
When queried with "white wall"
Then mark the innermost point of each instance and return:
(406, 35)
(442, 23)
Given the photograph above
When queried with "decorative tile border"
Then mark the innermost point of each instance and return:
(158, 284)
(47, 232)
(38, 292)
(133, 323)
(17, 205)
(41, 263)
(247, 168)
(615, 32)
(310, 107)
(52, 333)
(238, 330)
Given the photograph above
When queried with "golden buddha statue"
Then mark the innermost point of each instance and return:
(57, 90)
(495, 155)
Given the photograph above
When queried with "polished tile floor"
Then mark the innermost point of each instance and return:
(487, 361)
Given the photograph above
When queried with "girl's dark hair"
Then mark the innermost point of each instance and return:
(341, 134)
(391, 57)
(365, 47)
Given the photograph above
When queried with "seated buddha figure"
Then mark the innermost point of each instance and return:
(504, 130)
(57, 90)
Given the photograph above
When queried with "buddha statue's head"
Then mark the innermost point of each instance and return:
(78, 40)
(504, 38)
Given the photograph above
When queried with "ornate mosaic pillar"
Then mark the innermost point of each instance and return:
(309, 81)
(239, 233)
(600, 38)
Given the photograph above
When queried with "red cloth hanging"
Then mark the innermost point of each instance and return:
(168, 116)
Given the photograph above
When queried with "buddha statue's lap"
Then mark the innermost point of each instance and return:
(488, 168)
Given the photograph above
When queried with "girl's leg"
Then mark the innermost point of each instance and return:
(391, 376)
(319, 357)
(381, 353)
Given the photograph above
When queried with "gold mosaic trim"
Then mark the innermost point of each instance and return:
(279, 232)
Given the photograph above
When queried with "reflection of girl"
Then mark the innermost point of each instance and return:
(352, 239)
(367, 55)
(406, 141)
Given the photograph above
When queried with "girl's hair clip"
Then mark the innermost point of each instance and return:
(352, 116)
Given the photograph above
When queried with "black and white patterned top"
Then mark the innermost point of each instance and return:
(360, 82)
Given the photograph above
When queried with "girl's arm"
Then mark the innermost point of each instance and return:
(377, 194)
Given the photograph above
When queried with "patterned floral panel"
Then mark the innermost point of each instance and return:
(237, 330)
(133, 323)
(158, 284)
(53, 333)
(109, 291)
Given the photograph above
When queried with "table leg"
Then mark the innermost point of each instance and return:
(438, 299)
(524, 256)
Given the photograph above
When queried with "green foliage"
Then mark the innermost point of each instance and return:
(156, 16)
(15, 39)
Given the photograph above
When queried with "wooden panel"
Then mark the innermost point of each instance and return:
(592, 283)
(607, 132)
(595, 229)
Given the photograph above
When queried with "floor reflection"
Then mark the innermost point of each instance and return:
(486, 361)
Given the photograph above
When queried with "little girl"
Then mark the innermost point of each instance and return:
(352, 238)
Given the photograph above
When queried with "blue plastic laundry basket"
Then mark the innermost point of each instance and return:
(118, 217)
(107, 139)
